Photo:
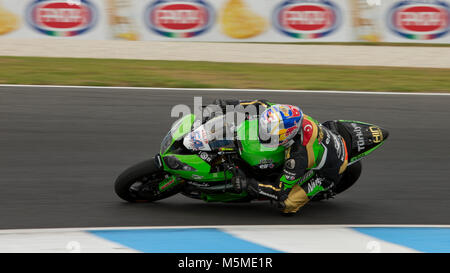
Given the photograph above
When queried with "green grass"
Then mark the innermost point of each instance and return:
(109, 72)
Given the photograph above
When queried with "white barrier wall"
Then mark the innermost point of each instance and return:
(229, 20)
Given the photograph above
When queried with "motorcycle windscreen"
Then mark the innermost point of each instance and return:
(211, 136)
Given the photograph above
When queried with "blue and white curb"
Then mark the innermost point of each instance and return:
(231, 239)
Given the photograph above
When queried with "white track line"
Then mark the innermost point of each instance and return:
(51, 230)
(229, 90)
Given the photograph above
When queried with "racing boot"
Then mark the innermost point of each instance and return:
(296, 199)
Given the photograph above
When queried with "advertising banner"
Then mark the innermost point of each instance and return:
(425, 21)
(81, 19)
(416, 21)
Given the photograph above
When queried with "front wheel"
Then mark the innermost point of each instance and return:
(140, 182)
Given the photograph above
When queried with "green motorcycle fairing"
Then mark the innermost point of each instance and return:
(252, 151)
(193, 168)
(190, 166)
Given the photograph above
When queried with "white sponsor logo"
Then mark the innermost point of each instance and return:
(266, 166)
(360, 143)
(268, 194)
(337, 143)
(200, 185)
(316, 182)
(306, 176)
(205, 157)
(339, 147)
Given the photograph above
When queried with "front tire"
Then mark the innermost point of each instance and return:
(140, 182)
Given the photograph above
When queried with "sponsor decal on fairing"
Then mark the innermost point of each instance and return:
(314, 183)
(266, 164)
(205, 156)
(268, 194)
(358, 132)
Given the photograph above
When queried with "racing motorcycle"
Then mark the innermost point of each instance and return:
(208, 175)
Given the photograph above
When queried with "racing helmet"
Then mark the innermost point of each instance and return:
(279, 124)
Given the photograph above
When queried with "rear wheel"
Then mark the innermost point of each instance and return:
(140, 182)
(351, 175)
(349, 178)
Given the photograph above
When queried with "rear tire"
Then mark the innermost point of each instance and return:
(349, 178)
(351, 175)
(150, 175)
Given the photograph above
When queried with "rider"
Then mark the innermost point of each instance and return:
(309, 146)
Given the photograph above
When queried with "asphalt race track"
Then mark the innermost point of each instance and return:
(62, 148)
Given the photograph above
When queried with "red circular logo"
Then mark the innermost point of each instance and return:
(180, 16)
(62, 15)
(307, 17)
(421, 18)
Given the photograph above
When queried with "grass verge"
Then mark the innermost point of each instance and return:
(112, 72)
